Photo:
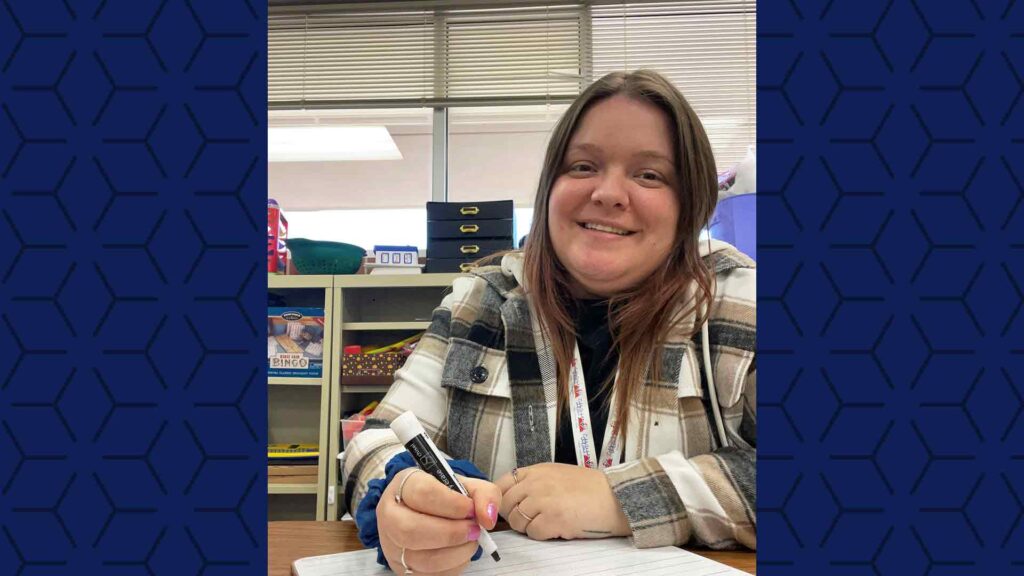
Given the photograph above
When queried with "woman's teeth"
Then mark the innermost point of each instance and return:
(608, 229)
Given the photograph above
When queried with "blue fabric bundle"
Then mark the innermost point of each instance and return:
(366, 514)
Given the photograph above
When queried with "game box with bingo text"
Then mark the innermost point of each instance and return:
(295, 342)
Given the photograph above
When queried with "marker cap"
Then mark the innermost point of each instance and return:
(407, 427)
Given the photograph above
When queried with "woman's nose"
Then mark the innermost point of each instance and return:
(611, 191)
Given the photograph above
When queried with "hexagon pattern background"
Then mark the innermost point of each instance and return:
(132, 178)
(132, 186)
(891, 141)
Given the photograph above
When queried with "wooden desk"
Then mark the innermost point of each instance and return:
(289, 541)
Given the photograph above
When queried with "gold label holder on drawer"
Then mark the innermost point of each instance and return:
(469, 249)
(469, 228)
(469, 210)
(466, 266)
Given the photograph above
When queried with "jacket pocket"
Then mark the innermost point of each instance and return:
(479, 405)
(691, 365)
(474, 368)
(695, 419)
(727, 367)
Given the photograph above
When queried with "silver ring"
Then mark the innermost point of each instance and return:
(407, 570)
(524, 514)
(515, 476)
(401, 486)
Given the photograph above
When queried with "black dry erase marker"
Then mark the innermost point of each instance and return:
(410, 432)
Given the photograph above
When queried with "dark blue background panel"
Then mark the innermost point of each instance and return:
(132, 379)
(891, 275)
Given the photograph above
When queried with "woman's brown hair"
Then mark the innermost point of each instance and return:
(642, 316)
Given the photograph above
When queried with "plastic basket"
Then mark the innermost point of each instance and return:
(322, 257)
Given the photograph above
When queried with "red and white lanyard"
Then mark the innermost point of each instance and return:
(579, 412)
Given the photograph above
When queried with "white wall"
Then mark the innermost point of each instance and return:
(495, 166)
(383, 202)
(482, 166)
(401, 183)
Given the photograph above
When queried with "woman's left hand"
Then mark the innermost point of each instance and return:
(552, 500)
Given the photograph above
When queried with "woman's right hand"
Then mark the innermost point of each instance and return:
(436, 527)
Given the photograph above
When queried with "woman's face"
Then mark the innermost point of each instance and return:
(613, 209)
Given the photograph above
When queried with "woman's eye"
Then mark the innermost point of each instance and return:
(651, 176)
(581, 168)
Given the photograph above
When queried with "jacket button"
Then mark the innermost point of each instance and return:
(478, 375)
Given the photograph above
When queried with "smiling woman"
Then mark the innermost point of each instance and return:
(613, 209)
(604, 377)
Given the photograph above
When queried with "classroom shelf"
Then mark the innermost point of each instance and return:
(366, 308)
(394, 280)
(299, 408)
(292, 488)
(365, 389)
(358, 309)
(276, 281)
(385, 325)
(283, 381)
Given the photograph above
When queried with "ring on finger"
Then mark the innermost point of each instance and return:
(524, 514)
(401, 486)
(515, 476)
(404, 565)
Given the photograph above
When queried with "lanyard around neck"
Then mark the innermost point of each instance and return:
(579, 412)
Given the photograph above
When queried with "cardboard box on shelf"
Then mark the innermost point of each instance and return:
(292, 474)
(383, 364)
(295, 342)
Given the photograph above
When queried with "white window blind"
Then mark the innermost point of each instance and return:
(523, 52)
(452, 53)
(334, 57)
(705, 47)
(347, 59)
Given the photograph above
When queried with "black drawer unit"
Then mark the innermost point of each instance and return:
(445, 265)
(492, 210)
(442, 229)
(459, 233)
(467, 248)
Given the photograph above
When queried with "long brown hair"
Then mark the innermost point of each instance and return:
(641, 317)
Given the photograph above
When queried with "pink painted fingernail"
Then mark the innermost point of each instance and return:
(492, 512)
(472, 513)
(474, 533)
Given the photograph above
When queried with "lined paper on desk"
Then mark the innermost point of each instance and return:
(520, 555)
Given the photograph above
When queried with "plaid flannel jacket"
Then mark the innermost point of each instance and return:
(676, 482)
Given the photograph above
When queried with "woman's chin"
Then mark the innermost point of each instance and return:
(601, 281)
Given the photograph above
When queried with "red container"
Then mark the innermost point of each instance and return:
(277, 239)
(350, 427)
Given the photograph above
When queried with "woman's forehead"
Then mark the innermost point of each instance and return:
(619, 106)
(624, 124)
